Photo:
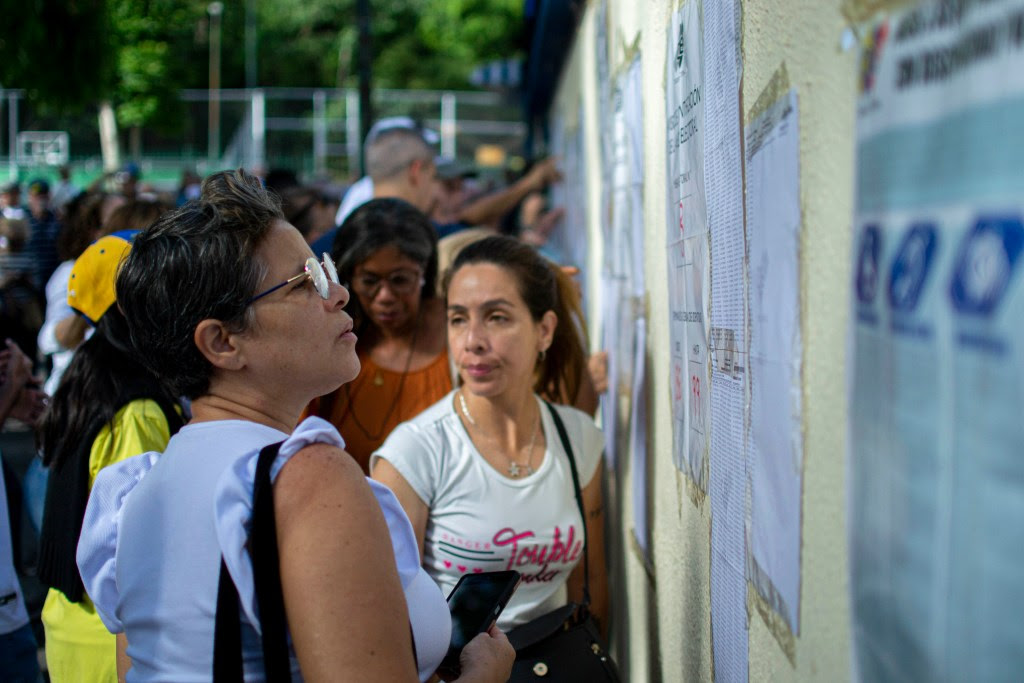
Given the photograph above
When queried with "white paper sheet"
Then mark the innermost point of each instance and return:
(627, 245)
(687, 240)
(611, 289)
(624, 264)
(728, 517)
(605, 131)
(568, 242)
(723, 174)
(937, 379)
(638, 439)
(775, 446)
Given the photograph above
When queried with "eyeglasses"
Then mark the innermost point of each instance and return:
(322, 276)
(400, 282)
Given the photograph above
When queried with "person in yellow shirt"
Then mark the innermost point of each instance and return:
(107, 407)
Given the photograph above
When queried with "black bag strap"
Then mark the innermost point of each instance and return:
(227, 631)
(564, 437)
(266, 568)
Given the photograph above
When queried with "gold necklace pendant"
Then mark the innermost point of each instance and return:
(378, 379)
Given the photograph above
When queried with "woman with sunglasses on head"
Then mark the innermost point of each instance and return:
(483, 474)
(387, 251)
(232, 310)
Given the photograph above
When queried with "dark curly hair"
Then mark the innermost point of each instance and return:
(377, 224)
(194, 263)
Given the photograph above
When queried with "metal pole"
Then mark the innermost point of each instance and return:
(365, 67)
(353, 142)
(448, 125)
(320, 133)
(213, 139)
(258, 116)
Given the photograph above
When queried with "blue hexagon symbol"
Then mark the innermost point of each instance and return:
(911, 266)
(867, 264)
(986, 263)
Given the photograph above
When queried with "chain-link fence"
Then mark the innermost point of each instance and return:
(313, 132)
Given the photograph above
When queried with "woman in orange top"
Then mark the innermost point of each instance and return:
(387, 251)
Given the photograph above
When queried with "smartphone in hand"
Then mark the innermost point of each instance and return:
(475, 604)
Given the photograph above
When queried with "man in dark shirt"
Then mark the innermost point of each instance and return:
(42, 240)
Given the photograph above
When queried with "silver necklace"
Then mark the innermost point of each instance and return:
(515, 470)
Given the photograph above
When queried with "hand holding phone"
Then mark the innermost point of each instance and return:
(475, 604)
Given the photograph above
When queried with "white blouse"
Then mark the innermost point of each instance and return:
(156, 526)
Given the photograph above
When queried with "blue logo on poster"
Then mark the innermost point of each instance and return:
(910, 269)
(867, 264)
(985, 264)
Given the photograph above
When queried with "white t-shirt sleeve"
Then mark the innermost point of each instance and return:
(417, 453)
(56, 308)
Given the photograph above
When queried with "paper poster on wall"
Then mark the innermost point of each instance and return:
(612, 292)
(687, 245)
(604, 105)
(568, 242)
(937, 378)
(627, 245)
(625, 252)
(775, 441)
(638, 440)
(723, 181)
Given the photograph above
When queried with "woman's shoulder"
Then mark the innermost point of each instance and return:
(424, 436)
(139, 426)
(586, 439)
(576, 419)
(140, 409)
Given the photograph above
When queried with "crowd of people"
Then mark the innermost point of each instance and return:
(401, 367)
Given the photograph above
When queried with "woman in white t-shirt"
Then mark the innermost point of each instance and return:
(482, 474)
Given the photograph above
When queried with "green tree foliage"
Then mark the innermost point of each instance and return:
(69, 54)
(156, 54)
(416, 43)
(57, 51)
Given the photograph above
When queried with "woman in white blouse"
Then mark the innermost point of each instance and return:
(227, 303)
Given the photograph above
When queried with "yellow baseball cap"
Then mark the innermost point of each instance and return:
(91, 287)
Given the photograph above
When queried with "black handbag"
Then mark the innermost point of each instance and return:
(564, 645)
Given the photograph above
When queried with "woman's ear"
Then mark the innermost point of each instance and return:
(546, 326)
(218, 345)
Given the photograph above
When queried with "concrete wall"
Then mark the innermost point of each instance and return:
(663, 619)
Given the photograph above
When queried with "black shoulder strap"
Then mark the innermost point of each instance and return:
(567, 446)
(266, 568)
(227, 631)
